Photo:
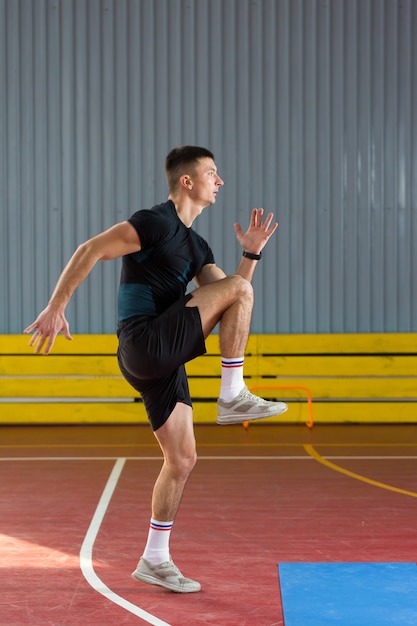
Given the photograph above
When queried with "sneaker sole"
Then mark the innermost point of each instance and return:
(240, 418)
(151, 580)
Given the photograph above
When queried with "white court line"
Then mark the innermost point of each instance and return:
(209, 458)
(86, 552)
(80, 458)
(156, 458)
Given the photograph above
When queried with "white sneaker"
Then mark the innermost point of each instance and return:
(165, 575)
(246, 407)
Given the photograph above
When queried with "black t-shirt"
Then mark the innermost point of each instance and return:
(171, 256)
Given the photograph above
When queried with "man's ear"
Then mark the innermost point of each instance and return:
(186, 182)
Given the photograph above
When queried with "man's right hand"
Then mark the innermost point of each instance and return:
(46, 326)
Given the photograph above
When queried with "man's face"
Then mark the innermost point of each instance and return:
(205, 182)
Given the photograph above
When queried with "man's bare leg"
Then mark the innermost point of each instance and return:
(230, 302)
(177, 441)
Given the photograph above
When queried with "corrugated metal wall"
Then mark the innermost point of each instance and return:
(308, 105)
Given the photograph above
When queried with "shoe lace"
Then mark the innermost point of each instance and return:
(171, 565)
(181, 578)
(250, 396)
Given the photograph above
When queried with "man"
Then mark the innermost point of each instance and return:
(161, 328)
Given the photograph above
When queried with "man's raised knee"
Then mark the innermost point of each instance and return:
(243, 287)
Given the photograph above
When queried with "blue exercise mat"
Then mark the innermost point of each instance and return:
(349, 594)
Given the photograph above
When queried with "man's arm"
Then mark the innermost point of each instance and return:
(117, 241)
(254, 240)
(208, 274)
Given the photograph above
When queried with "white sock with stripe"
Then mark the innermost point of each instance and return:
(157, 547)
(232, 378)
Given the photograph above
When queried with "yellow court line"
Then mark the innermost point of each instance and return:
(372, 444)
(315, 455)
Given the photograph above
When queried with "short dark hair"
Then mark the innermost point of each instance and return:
(181, 158)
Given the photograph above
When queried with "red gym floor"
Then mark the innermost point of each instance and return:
(75, 513)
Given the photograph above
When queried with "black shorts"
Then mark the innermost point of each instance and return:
(152, 354)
